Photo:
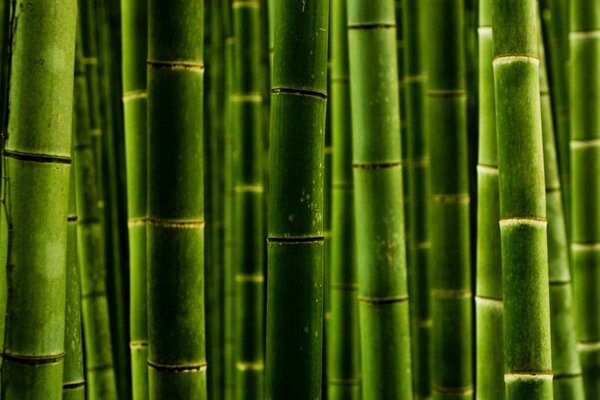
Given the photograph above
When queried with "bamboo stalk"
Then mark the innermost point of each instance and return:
(488, 299)
(343, 337)
(295, 227)
(584, 99)
(528, 368)
(566, 367)
(383, 293)
(36, 156)
(135, 41)
(249, 199)
(451, 335)
(418, 160)
(4, 33)
(176, 357)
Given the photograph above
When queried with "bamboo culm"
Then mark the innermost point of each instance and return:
(134, 22)
(249, 201)
(527, 353)
(488, 299)
(584, 100)
(451, 337)
(295, 204)
(36, 157)
(379, 214)
(175, 239)
(343, 334)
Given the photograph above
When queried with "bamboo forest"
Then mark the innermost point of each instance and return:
(300, 200)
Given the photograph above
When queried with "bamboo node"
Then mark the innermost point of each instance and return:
(371, 25)
(138, 344)
(590, 34)
(382, 300)
(583, 247)
(451, 294)
(534, 221)
(451, 198)
(463, 390)
(299, 92)
(249, 366)
(73, 385)
(131, 222)
(527, 376)
(37, 157)
(176, 224)
(247, 98)
(135, 94)
(584, 143)
(257, 188)
(511, 58)
(377, 165)
(487, 169)
(33, 360)
(199, 367)
(177, 65)
(588, 346)
(245, 3)
(255, 278)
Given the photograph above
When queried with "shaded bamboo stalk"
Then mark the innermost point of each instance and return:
(295, 220)
(379, 214)
(566, 367)
(343, 366)
(527, 372)
(418, 166)
(584, 99)
(488, 299)
(135, 42)
(175, 241)
(248, 201)
(451, 335)
(36, 158)
(4, 33)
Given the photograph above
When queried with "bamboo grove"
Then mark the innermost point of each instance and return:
(300, 199)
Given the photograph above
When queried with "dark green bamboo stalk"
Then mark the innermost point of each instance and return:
(418, 160)
(527, 360)
(295, 229)
(135, 43)
(488, 299)
(4, 33)
(230, 244)
(343, 337)
(584, 98)
(176, 359)
(73, 379)
(249, 201)
(96, 325)
(379, 216)
(36, 157)
(566, 367)
(451, 337)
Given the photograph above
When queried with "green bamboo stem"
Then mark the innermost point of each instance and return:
(527, 360)
(230, 243)
(248, 201)
(555, 26)
(73, 379)
(566, 367)
(4, 33)
(100, 374)
(36, 161)
(295, 227)
(451, 335)
(418, 163)
(584, 99)
(176, 357)
(488, 299)
(343, 366)
(134, 23)
(379, 216)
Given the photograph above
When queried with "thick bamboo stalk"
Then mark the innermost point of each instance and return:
(343, 336)
(418, 160)
(488, 299)
(528, 368)
(134, 24)
(176, 357)
(249, 201)
(451, 336)
(36, 156)
(295, 227)
(584, 98)
(379, 216)
(4, 33)
(566, 367)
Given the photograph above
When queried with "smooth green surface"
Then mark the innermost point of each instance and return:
(295, 201)
(36, 158)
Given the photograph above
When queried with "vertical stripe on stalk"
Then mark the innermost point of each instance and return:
(584, 98)
(175, 240)
(379, 214)
(343, 335)
(566, 367)
(451, 335)
(418, 162)
(134, 23)
(488, 299)
(36, 153)
(527, 353)
(295, 228)
(249, 201)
